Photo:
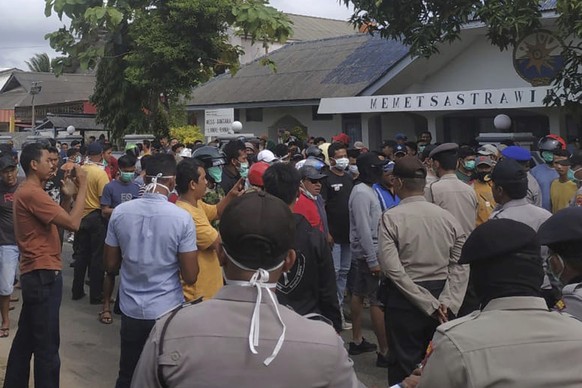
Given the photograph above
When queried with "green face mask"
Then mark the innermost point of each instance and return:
(469, 165)
(215, 173)
(243, 170)
(126, 177)
(547, 156)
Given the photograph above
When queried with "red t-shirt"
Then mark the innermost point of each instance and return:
(308, 209)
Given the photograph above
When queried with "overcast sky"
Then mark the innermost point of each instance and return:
(24, 25)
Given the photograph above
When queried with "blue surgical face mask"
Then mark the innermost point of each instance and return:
(547, 156)
(215, 173)
(469, 165)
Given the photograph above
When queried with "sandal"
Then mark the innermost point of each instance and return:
(4, 332)
(106, 320)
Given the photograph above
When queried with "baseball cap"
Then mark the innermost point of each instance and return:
(257, 230)
(400, 149)
(310, 172)
(484, 160)
(267, 156)
(249, 145)
(6, 162)
(360, 145)
(256, 173)
(409, 167)
(498, 239)
(370, 159)
(488, 149)
(342, 138)
(401, 136)
(94, 148)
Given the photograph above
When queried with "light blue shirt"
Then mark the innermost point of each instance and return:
(545, 175)
(150, 231)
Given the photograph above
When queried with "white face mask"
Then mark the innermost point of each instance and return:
(152, 186)
(341, 163)
(260, 281)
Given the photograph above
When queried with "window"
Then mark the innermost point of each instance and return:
(317, 117)
(254, 114)
(237, 115)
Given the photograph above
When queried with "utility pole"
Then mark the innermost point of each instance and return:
(35, 89)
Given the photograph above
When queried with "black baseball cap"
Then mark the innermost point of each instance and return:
(7, 161)
(257, 230)
(370, 159)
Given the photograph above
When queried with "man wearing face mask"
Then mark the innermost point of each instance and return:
(426, 286)
(213, 160)
(150, 267)
(307, 205)
(466, 164)
(545, 173)
(336, 190)
(448, 191)
(482, 187)
(237, 165)
(116, 192)
(562, 233)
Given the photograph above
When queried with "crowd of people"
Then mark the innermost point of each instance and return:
(468, 259)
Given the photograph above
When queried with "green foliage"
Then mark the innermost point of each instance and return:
(40, 63)
(147, 48)
(187, 134)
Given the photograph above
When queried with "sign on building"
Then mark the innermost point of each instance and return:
(218, 122)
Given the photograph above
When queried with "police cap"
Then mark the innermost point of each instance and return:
(516, 153)
(499, 238)
(508, 171)
(409, 167)
(564, 226)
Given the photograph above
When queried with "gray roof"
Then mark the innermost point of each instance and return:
(314, 28)
(336, 67)
(79, 122)
(12, 98)
(55, 90)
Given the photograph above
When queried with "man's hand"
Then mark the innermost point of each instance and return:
(411, 381)
(69, 188)
(376, 271)
(81, 176)
(330, 241)
(442, 314)
(238, 189)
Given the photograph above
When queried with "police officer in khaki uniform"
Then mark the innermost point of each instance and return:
(449, 192)
(210, 344)
(419, 245)
(562, 233)
(514, 341)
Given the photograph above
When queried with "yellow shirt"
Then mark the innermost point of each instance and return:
(561, 193)
(210, 275)
(485, 201)
(96, 180)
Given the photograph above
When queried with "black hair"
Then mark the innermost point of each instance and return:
(425, 132)
(412, 145)
(176, 146)
(561, 152)
(92, 137)
(232, 150)
(186, 172)
(147, 143)
(156, 145)
(64, 144)
(466, 151)
(75, 142)
(143, 161)
(164, 164)
(333, 147)
(447, 160)
(281, 150)
(318, 139)
(282, 180)
(126, 161)
(30, 152)
(83, 150)
(389, 143)
(71, 152)
(353, 153)
(107, 146)
(52, 150)
(52, 142)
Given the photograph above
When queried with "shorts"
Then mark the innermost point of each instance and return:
(9, 256)
(365, 284)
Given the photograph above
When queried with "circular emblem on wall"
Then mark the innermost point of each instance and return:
(537, 58)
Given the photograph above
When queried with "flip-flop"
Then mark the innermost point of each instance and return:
(105, 320)
(4, 332)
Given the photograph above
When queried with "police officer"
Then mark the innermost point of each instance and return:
(244, 337)
(523, 157)
(562, 233)
(426, 285)
(514, 341)
(449, 192)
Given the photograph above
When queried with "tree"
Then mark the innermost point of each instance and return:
(40, 63)
(424, 25)
(149, 54)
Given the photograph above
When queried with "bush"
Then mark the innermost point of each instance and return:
(187, 134)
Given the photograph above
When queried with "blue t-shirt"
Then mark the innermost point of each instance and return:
(545, 175)
(115, 193)
(387, 200)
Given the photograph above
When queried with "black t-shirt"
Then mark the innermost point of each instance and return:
(336, 192)
(6, 222)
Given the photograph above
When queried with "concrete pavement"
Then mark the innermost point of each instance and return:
(90, 350)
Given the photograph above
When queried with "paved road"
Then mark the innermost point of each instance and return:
(90, 350)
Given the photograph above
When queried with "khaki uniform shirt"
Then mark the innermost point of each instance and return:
(534, 193)
(514, 342)
(419, 241)
(207, 345)
(457, 197)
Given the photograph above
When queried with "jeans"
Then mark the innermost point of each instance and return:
(134, 334)
(9, 256)
(342, 261)
(38, 332)
(88, 252)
